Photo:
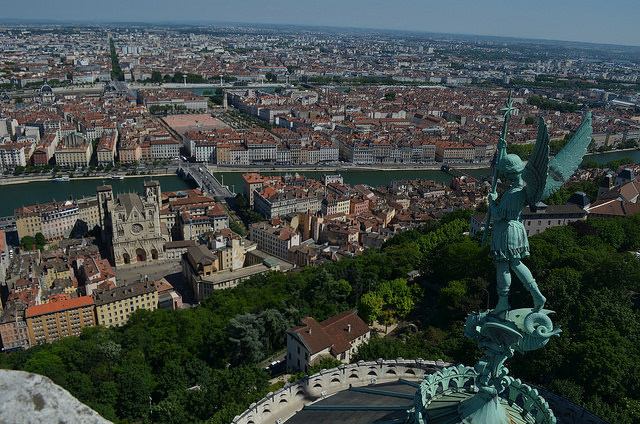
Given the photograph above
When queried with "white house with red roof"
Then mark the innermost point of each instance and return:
(337, 337)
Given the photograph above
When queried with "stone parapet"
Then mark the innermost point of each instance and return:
(283, 404)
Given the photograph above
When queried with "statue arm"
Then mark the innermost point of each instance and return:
(502, 150)
(496, 210)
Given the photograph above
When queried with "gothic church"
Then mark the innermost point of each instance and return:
(131, 224)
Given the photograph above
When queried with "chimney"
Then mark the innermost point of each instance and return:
(348, 328)
(309, 330)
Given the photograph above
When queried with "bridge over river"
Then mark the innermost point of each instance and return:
(202, 176)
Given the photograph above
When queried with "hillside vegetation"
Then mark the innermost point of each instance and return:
(199, 365)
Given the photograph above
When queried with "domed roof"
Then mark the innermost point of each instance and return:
(46, 88)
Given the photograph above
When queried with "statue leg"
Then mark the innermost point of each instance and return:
(523, 273)
(503, 280)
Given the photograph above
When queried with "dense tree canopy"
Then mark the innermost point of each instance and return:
(200, 364)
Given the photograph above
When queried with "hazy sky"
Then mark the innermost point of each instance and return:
(613, 21)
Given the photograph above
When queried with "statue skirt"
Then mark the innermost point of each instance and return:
(509, 241)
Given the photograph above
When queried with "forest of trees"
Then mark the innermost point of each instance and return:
(200, 364)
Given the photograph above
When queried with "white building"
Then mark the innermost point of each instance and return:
(337, 337)
(12, 155)
(165, 149)
(274, 240)
(204, 150)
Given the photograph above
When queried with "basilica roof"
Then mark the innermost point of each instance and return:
(130, 201)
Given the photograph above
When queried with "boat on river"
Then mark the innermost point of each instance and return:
(61, 179)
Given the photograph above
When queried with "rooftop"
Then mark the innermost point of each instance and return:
(59, 306)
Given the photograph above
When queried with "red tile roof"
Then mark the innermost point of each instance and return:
(336, 332)
(52, 307)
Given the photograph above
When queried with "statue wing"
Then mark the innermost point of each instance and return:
(565, 163)
(535, 173)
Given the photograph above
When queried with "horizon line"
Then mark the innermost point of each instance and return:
(194, 23)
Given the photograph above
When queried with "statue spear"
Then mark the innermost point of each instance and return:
(507, 114)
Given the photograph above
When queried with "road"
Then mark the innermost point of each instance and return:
(201, 174)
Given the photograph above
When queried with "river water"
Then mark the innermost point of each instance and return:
(16, 195)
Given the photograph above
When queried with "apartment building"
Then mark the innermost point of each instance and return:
(74, 150)
(88, 213)
(335, 205)
(55, 220)
(272, 203)
(275, 240)
(13, 328)
(106, 148)
(12, 155)
(165, 149)
(113, 307)
(60, 318)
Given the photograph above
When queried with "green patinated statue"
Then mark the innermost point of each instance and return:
(499, 333)
(509, 243)
(530, 183)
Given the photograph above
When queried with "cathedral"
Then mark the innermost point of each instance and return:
(131, 224)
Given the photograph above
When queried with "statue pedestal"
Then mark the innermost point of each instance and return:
(483, 408)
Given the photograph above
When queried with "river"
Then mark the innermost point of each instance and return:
(16, 195)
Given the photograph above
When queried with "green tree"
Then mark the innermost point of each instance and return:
(245, 335)
(156, 77)
(27, 242)
(40, 240)
(370, 307)
(274, 325)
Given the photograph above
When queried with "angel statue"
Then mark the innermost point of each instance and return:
(530, 184)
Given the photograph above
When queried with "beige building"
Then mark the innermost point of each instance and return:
(88, 213)
(335, 205)
(232, 261)
(28, 223)
(113, 307)
(55, 220)
(74, 150)
(13, 328)
(54, 320)
(131, 224)
(106, 148)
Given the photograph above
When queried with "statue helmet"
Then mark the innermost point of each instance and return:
(511, 164)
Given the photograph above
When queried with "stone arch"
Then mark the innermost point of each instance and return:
(391, 371)
(335, 381)
(154, 254)
(141, 255)
(126, 258)
(411, 371)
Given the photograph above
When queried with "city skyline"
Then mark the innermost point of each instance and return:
(571, 20)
